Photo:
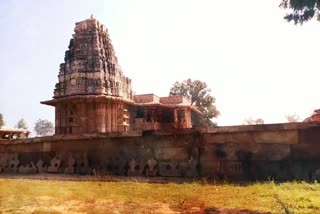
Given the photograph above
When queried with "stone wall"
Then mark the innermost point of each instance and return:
(261, 152)
(175, 100)
(146, 98)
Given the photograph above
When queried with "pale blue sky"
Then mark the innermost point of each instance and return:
(256, 64)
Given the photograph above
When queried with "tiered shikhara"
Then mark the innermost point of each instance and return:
(93, 95)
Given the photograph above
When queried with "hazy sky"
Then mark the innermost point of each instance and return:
(256, 64)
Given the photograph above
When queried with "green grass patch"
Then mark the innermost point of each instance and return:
(50, 196)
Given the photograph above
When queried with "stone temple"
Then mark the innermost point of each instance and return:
(94, 96)
(100, 130)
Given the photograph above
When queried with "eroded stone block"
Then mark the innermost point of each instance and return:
(210, 169)
(136, 168)
(82, 165)
(152, 168)
(28, 169)
(70, 168)
(12, 164)
(232, 170)
(54, 165)
(41, 166)
(190, 168)
(169, 169)
(119, 167)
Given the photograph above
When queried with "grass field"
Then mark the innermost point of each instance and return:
(52, 196)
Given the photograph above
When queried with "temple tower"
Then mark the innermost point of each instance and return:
(92, 94)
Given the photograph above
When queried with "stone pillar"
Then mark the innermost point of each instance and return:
(100, 117)
(188, 118)
(109, 116)
(91, 116)
(175, 118)
(83, 117)
(112, 116)
(57, 119)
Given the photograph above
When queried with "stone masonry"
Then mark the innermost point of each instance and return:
(94, 96)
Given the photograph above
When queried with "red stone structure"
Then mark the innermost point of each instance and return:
(13, 133)
(94, 96)
(315, 117)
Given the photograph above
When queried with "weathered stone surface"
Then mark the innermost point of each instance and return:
(54, 165)
(262, 136)
(82, 165)
(310, 135)
(210, 169)
(91, 66)
(94, 96)
(12, 163)
(4, 157)
(136, 168)
(189, 169)
(276, 137)
(169, 169)
(167, 154)
(269, 170)
(235, 137)
(41, 166)
(119, 166)
(70, 168)
(309, 152)
(232, 170)
(113, 155)
(28, 169)
(152, 168)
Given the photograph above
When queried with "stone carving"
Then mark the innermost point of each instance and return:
(189, 168)
(136, 168)
(152, 169)
(90, 64)
(82, 165)
(119, 166)
(169, 169)
(12, 164)
(41, 167)
(54, 165)
(70, 165)
(28, 169)
(3, 160)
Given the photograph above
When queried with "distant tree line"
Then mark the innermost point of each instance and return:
(42, 127)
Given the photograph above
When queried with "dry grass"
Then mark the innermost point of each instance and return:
(42, 196)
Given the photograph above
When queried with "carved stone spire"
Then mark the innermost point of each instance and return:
(90, 66)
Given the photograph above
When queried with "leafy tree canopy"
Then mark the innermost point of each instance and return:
(292, 118)
(1, 120)
(251, 121)
(44, 128)
(300, 11)
(21, 124)
(199, 95)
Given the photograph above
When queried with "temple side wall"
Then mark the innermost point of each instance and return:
(279, 151)
(88, 117)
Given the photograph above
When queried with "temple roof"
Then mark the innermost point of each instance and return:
(90, 64)
(4, 129)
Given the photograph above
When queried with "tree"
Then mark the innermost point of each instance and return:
(1, 121)
(292, 118)
(199, 95)
(43, 128)
(301, 11)
(251, 121)
(21, 124)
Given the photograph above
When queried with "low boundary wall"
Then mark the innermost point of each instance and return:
(256, 152)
